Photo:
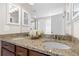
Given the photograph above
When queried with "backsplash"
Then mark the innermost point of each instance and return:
(14, 35)
(61, 37)
(56, 37)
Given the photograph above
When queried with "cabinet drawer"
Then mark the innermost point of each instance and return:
(8, 46)
(7, 53)
(20, 51)
(35, 53)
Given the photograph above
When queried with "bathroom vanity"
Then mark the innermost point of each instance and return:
(9, 49)
(24, 46)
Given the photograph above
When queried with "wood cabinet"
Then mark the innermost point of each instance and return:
(8, 46)
(20, 51)
(35, 53)
(7, 53)
(8, 49)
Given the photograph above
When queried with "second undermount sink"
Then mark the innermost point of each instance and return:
(56, 45)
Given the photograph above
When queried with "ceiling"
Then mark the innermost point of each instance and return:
(49, 5)
(41, 9)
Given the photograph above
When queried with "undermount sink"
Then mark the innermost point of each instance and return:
(56, 45)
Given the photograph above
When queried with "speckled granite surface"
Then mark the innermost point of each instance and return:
(37, 45)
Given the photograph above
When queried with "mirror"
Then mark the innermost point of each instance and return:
(49, 18)
(14, 17)
(25, 17)
(57, 18)
(75, 8)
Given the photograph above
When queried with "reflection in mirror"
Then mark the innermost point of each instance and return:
(62, 20)
(14, 17)
(75, 8)
(13, 14)
(49, 19)
(25, 18)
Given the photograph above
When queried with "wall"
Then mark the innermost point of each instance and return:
(76, 27)
(72, 22)
(25, 6)
(28, 8)
(6, 28)
(57, 24)
(48, 25)
(52, 24)
(1, 26)
(44, 24)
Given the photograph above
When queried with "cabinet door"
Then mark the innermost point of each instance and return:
(34, 53)
(20, 51)
(7, 53)
(8, 46)
(14, 14)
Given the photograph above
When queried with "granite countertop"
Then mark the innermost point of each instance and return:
(37, 45)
